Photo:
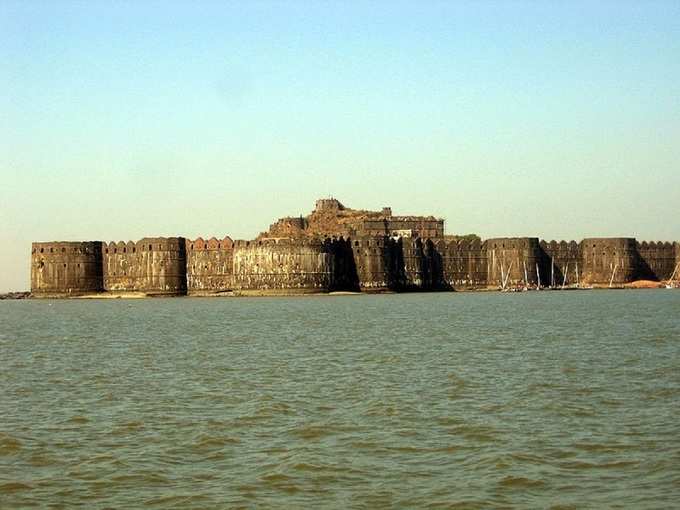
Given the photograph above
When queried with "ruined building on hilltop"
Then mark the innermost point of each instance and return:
(340, 249)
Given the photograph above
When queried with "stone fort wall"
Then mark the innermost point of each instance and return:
(66, 268)
(282, 266)
(152, 265)
(178, 266)
(210, 265)
(658, 261)
(562, 264)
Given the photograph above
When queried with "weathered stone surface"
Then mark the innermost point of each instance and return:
(66, 268)
(152, 265)
(606, 260)
(340, 249)
(282, 265)
(210, 266)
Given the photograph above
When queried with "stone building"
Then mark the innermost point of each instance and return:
(336, 248)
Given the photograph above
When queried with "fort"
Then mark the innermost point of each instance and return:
(336, 248)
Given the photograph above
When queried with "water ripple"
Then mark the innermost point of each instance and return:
(436, 401)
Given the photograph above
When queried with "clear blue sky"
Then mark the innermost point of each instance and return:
(120, 119)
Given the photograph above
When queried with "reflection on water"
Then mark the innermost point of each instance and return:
(547, 400)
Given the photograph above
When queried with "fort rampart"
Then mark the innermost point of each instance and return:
(282, 266)
(379, 261)
(210, 266)
(66, 268)
(152, 265)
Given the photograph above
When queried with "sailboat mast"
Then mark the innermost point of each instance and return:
(611, 281)
(552, 272)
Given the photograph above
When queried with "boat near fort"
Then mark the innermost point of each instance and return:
(338, 249)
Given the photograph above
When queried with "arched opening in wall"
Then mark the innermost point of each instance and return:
(41, 250)
(115, 250)
(79, 265)
(51, 250)
(63, 250)
(134, 250)
(191, 247)
(64, 265)
(106, 251)
(149, 247)
(124, 250)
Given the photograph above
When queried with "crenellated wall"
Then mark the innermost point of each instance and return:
(464, 262)
(209, 266)
(375, 261)
(368, 263)
(282, 266)
(66, 268)
(606, 260)
(513, 261)
(562, 264)
(415, 270)
(657, 260)
(152, 265)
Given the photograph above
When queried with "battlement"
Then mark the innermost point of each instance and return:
(328, 204)
(66, 268)
(338, 248)
(146, 244)
(211, 244)
(85, 247)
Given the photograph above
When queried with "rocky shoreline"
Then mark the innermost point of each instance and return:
(15, 295)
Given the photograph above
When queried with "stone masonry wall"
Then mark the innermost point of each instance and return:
(153, 265)
(209, 266)
(464, 262)
(66, 268)
(562, 263)
(608, 260)
(513, 261)
(282, 266)
(657, 260)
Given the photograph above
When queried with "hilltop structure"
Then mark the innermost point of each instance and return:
(340, 249)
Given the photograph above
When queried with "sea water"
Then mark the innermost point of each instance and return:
(452, 400)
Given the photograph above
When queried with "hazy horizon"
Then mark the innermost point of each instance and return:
(124, 120)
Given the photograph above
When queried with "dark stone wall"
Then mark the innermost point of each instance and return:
(562, 263)
(282, 266)
(66, 268)
(414, 266)
(153, 265)
(344, 269)
(422, 227)
(376, 260)
(608, 260)
(657, 260)
(513, 261)
(209, 266)
(464, 262)
(175, 266)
